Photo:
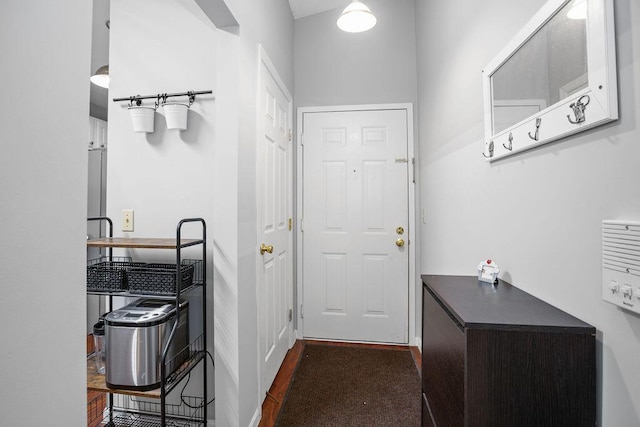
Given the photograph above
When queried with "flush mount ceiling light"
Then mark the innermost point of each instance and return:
(356, 18)
(101, 77)
(578, 10)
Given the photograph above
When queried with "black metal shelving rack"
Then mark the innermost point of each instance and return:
(148, 413)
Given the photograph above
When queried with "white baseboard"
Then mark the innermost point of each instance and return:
(419, 343)
(255, 420)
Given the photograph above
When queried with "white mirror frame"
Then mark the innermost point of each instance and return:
(602, 90)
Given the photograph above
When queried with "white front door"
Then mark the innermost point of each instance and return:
(275, 275)
(355, 217)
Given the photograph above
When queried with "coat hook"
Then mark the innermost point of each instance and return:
(161, 97)
(578, 108)
(135, 100)
(510, 147)
(490, 151)
(538, 123)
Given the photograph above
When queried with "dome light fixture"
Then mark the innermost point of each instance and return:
(356, 18)
(101, 77)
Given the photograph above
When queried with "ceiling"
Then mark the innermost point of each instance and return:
(302, 8)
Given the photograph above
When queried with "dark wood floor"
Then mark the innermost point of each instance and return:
(276, 394)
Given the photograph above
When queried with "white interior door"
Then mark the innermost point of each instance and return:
(275, 281)
(355, 214)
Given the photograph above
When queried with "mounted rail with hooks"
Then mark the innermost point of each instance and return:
(137, 99)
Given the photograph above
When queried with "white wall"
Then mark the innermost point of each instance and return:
(225, 165)
(166, 175)
(208, 170)
(333, 67)
(43, 187)
(269, 23)
(539, 208)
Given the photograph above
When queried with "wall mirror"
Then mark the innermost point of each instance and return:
(556, 77)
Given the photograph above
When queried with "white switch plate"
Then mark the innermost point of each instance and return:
(127, 220)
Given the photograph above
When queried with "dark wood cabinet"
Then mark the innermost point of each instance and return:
(493, 355)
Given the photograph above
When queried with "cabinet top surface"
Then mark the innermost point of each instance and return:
(136, 242)
(478, 304)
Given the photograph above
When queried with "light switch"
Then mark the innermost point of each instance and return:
(127, 220)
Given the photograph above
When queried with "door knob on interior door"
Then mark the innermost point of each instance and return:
(266, 248)
(400, 243)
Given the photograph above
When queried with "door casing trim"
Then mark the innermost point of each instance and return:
(411, 186)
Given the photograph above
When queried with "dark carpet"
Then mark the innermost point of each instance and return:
(353, 386)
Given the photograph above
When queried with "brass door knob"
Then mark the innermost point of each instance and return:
(266, 248)
(400, 243)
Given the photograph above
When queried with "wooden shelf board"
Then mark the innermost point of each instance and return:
(96, 382)
(141, 243)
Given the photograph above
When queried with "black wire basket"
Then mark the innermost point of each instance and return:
(109, 276)
(122, 275)
(159, 279)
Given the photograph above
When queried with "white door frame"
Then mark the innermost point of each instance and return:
(411, 185)
(263, 58)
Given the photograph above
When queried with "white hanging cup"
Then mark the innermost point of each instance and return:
(142, 118)
(176, 115)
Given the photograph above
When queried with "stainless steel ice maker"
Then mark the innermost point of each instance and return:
(136, 336)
